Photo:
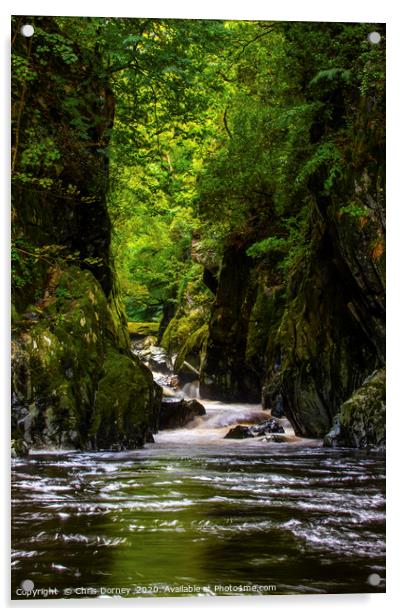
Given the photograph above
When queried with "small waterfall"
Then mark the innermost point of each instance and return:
(220, 417)
(191, 390)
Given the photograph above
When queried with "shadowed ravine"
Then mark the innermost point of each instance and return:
(194, 509)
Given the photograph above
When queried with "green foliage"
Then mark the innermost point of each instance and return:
(269, 244)
(223, 132)
(331, 74)
(291, 127)
(22, 263)
(354, 210)
(164, 127)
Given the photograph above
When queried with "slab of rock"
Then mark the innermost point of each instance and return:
(176, 413)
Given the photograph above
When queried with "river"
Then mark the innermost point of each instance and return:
(197, 514)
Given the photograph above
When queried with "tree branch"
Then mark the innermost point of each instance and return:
(225, 121)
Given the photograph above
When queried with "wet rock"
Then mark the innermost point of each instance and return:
(149, 438)
(156, 359)
(225, 372)
(168, 382)
(142, 330)
(239, 432)
(267, 427)
(277, 407)
(334, 436)
(276, 438)
(19, 448)
(271, 426)
(176, 413)
(116, 447)
(188, 360)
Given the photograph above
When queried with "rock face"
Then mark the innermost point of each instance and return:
(176, 413)
(324, 341)
(305, 343)
(75, 382)
(155, 358)
(361, 419)
(332, 332)
(225, 373)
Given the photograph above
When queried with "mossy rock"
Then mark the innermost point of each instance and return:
(19, 448)
(124, 394)
(264, 322)
(192, 347)
(68, 354)
(142, 329)
(361, 419)
(181, 327)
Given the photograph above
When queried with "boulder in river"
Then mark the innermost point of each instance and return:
(270, 426)
(361, 419)
(267, 427)
(176, 413)
(239, 432)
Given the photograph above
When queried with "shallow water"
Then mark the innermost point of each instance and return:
(196, 514)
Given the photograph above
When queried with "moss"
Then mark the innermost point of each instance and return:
(195, 301)
(264, 319)
(362, 417)
(192, 346)
(142, 329)
(124, 393)
(181, 327)
(19, 448)
(15, 316)
(58, 359)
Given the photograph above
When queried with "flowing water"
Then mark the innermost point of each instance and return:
(196, 514)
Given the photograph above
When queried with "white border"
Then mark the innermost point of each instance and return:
(295, 10)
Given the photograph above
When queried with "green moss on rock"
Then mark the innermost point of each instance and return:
(124, 390)
(192, 348)
(264, 319)
(68, 357)
(181, 327)
(361, 419)
(142, 329)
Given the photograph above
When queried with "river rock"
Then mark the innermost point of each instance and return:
(267, 427)
(270, 426)
(276, 438)
(239, 432)
(176, 413)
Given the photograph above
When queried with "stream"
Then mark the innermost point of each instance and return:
(197, 514)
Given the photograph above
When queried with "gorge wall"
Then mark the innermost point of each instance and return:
(74, 381)
(312, 341)
(306, 329)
